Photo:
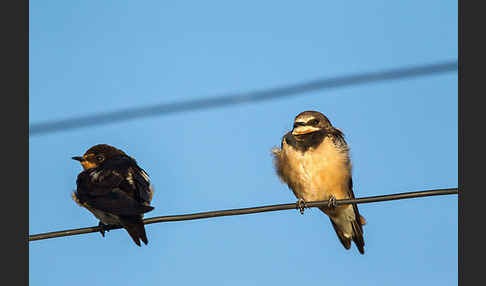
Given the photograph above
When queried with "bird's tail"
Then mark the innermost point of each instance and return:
(135, 229)
(348, 230)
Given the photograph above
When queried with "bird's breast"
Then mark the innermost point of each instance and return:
(318, 172)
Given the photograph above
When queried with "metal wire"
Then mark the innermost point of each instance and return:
(261, 209)
(239, 98)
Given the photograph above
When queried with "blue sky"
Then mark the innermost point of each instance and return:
(99, 56)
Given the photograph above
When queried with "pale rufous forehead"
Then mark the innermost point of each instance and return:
(305, 118)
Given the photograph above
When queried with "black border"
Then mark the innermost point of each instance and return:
(471, 124)
(15, 143)
(460, 181)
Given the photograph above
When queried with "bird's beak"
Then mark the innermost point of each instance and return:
(85, 163)
(303, 129)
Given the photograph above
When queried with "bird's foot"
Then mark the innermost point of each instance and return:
(332, 202)
(103, 227)
(301, 206)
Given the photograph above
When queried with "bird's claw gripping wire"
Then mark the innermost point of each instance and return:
(301, 206)
(332, 202)
(103, 227)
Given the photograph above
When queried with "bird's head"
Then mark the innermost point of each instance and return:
(309, 122)
(97, 155)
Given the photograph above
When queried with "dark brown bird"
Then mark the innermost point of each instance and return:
(314, 162)
(115, 189)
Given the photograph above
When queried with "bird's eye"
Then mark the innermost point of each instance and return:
(314, 122)
(99, 158)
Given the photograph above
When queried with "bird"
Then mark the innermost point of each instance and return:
(314, 161)
(115, 189)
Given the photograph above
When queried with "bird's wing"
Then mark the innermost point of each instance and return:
(361, 220)
(357, 224)
(119, 203)
(141, 182)
(340, 143)
(112, 189)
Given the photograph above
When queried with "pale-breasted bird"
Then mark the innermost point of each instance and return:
(314, 162)
(115, 189)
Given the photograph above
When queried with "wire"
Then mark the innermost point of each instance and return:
(261, 209)
(239, 98)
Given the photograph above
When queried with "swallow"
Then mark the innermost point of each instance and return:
(313, 160)
(115, 189)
